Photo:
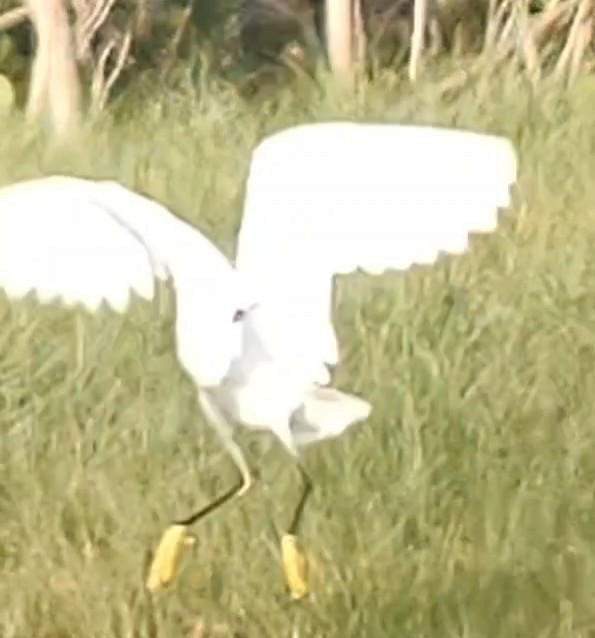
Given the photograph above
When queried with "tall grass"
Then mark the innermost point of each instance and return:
(462, 508)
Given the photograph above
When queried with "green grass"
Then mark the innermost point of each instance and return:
(462, 508)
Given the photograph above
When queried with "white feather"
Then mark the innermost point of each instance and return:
(327, 199)
(85, 242)
(56, 241)
(326, 413)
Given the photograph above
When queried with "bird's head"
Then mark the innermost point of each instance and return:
(210, 332)
(240, 314)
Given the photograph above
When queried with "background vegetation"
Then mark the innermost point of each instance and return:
(462, 508)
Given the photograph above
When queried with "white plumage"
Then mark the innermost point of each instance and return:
(85, 242)
(321, 200)
(328, 199)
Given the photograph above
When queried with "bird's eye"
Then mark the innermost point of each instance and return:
(239, 315)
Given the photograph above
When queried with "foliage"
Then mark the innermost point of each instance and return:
(255, 43)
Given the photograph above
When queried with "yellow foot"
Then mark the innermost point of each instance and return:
(294, 566)
(167, 556)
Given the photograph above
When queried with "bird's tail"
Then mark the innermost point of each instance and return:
(326, 413)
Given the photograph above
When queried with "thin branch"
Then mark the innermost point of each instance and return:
(13, 17)
(101, 86)
(97, 83)
(117, 70)
(89, 20)
(581, 14)
(97, 16)
(584, 38)
(359, 40)
(177, 38)
(496, 19)
(551, 20)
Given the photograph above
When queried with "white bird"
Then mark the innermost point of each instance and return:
(257, 339)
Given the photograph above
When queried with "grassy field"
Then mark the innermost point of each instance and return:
(462, 508)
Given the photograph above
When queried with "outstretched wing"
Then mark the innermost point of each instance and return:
(325, 199)
(85, 242)
(56, 240)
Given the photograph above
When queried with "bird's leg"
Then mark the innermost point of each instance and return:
(240, 460)
(241, 487)
(294, 559)
(175, 536)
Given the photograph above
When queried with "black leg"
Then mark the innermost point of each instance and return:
(294, 560)
(218, 502)
(299, 510)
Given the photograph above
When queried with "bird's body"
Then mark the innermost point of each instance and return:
(321, 200)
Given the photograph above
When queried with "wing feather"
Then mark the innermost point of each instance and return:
(56, 240)
(326, 199)
(85, 242)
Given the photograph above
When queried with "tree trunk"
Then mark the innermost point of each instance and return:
(420, 14)
(345, 36)
(54, 83)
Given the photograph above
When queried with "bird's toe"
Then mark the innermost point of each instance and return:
(167, 556)
(294, 566)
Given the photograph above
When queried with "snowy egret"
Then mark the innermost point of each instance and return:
(257, 339)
